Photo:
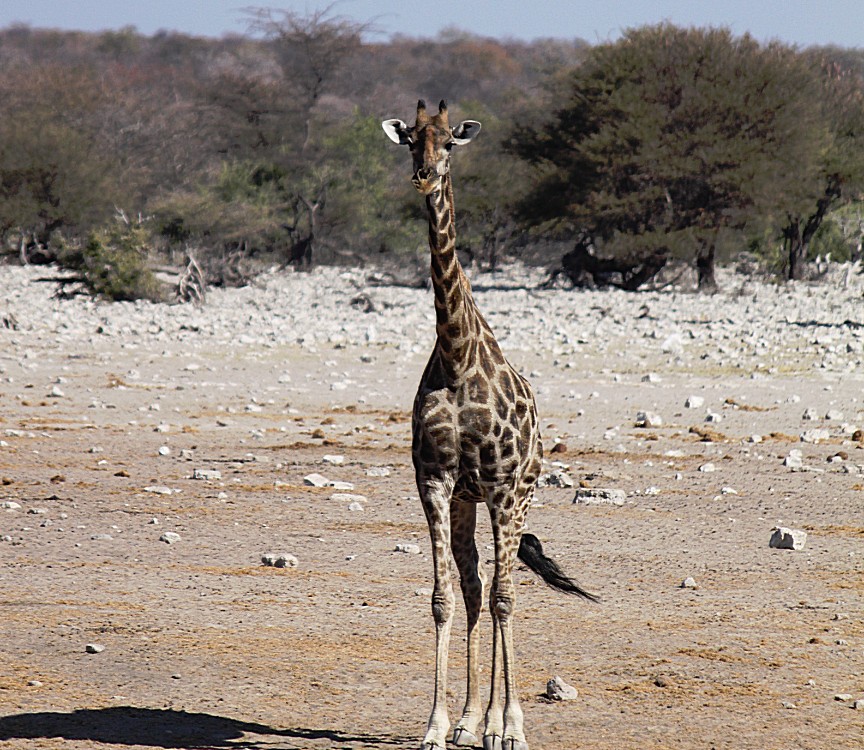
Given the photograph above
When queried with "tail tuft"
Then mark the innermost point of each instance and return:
(531, 553)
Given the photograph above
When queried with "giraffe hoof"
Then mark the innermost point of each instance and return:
(492, 742)
(511, 743)
(463, 738)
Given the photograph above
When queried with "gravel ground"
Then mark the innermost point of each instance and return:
(126, 425)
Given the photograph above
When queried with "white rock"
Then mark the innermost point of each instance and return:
(169, 537)
(94, 648)
(599, 496)
(316, 480)
(411, 549)
(651, 377)
(689, 583)
(783, 538)
(794, 460)
(164, 450)
(206, 474)
(378, 471)
(347, 497)
(331, 459)
(558, 690)
(816, 435)
(707, 468)
(555, 479)
(810, 414)
(648, 419)
(834, 415)
(279, 560)
(694, 402)
(10, 505)
(160, 490)
(341, 485)
(713, 416)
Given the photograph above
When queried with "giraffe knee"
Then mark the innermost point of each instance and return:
(442, 606)
(502, 603)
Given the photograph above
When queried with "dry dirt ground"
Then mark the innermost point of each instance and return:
(205, 647)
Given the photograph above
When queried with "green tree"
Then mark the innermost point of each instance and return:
(669, 138)
(837, 174)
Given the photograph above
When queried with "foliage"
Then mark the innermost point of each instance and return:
(670, 136)
(112, 264)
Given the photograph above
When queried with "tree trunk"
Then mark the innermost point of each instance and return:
(705, 269)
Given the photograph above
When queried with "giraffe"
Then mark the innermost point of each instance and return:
(475, 439)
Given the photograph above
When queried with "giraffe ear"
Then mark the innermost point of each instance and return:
(397, 131)
(465, 131)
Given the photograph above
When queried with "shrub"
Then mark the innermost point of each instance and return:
(112, 264)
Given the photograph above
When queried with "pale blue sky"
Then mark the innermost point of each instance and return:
(801, 22)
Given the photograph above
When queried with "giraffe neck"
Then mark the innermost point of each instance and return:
(457, 318)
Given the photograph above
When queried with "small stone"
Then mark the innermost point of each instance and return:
(34, 683)
(164, 450)
(783, 538)
(694, 402)
(378, 471)
(788, 705)
(858, 705)
(648, 419)
(555, 479)
(843, 697)
(794, 460)
(102, 538)
(599, 496)
(713, 417)
(10, 505)
(347, 497)
(316, 480)
(280, 560)
(355, 506)
(341, 485)
(94, 648)
(159, 490)
(410, 549)
(707, 468)
(56, 392)
(423, 592)
(834, 415)
(558, 690)
(651, 377)
(206, 474)
(170, 537)
(689, 583)
(816, 435)
(809, 415)
(330, 459)
(755, 439)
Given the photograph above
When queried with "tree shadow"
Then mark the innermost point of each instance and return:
(170, 729)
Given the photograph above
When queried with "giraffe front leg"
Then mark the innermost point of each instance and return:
(436, 505)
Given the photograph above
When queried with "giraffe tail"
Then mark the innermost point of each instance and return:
(531, 553)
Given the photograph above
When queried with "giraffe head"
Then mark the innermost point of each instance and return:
(430, 141)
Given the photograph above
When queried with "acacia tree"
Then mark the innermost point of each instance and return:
(838, 177)
(670, 137)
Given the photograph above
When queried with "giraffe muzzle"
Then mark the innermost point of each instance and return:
(426, 180)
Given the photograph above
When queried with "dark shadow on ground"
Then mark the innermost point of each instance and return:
(170, 729)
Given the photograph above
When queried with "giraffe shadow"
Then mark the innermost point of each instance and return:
(176, 730)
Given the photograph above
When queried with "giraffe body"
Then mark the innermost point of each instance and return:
(475, 439)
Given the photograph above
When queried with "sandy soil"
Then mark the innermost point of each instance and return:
(205, 647)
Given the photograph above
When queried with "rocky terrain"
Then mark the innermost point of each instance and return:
(210, 537)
